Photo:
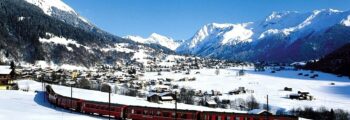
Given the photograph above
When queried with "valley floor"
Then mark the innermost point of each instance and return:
(265, 83)
(20, 105)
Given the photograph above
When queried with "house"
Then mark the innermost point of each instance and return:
(211, 103)
(259, 112)
(166, 97)
(5, 76)
(153, 97)
(160, 97)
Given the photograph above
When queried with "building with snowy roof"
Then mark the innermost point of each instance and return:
(5, 76)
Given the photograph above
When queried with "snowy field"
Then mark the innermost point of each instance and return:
(120, 99)
(262, 83)
(20, 105)
(272, 84)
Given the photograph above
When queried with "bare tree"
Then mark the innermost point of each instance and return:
(105, 88)
(85, 83)
(186, 96)
(252, 103)
(217, 71)
(238, 104)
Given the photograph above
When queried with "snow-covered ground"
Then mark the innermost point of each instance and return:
(19, 105)
(262, 83)
(103, 97)
(272, 84)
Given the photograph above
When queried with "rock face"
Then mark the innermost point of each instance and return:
(281, 37)
(35, 30)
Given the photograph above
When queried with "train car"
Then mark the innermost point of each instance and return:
(240, 116)
(50, 95)
(149, 113)
(101, 108)
(69, 103)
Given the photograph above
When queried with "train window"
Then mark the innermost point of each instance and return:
(158, 113)
(228, 118)
(145, 112)
(132, 111)
(173, 114)
(184, 116)
(245, 118)
(237, 118)
(165, 114)
(219, 118)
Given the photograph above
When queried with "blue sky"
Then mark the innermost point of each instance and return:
(180, 19)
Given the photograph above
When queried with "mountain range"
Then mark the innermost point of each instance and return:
(281, 37)
(50, 30)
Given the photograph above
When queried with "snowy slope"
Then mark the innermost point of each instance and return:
(48, 5)
(120, 99)
(262, 83)
(19, 105)
(314, 21)
(272, 84)
(60, 10)
(215, 34)
(155, 38)
(284, 28)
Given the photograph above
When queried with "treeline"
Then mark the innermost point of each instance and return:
(321, 113)
(337, 62)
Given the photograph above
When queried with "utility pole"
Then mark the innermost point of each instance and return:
(71, 94)
(42, 85)
(267, 106)
(109, 103)
(175, 116)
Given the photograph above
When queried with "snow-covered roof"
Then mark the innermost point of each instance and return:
(167, 98)
(256, 111)
(5, 69)
(211, 102)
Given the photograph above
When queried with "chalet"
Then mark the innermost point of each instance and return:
(211, 103)
(259, 112)
(240, 90)
(5, 76)
(166, 97)
(160, 97)
(288, 89)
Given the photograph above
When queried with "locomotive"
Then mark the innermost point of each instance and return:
(123, 112)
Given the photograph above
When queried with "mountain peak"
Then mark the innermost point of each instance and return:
(48, 5)
(218, 25)
(156, 38)
(278, 15)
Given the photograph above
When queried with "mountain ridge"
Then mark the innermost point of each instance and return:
(156, 38)
(279, 32)
(28, 35)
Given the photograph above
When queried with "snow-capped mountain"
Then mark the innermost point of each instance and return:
(155, 38)
(58, 9)
(52, 32)
(215, 35)
(301, 34)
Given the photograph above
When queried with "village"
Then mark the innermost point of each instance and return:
(172, 80)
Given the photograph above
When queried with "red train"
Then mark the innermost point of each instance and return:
(119, 111)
